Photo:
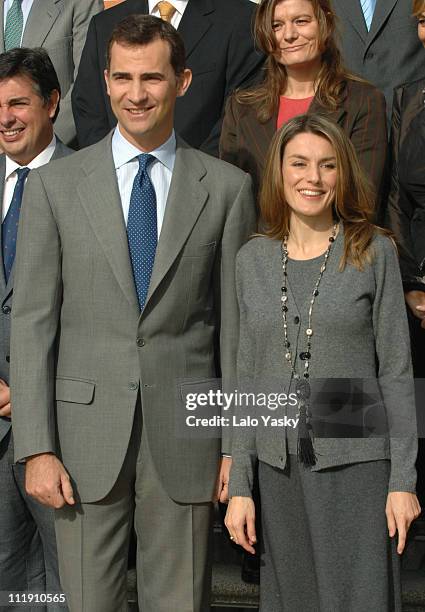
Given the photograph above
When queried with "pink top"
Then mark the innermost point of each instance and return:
(290, 107)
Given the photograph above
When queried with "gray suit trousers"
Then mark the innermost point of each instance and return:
(173, 543)
(28, 559)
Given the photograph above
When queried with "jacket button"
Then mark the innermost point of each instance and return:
(296, 320)
(8, 358)
(133, 386)
(140, 342)
(6, 309)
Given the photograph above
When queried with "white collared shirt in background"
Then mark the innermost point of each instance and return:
(11, 177)
(26, 7)
(160, 171)
(179, 5)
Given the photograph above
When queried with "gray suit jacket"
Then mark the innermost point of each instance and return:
(81, 350)
(6, 292)
(390, 53)
(60, 26)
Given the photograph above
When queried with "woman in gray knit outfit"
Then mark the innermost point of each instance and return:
(323, 324)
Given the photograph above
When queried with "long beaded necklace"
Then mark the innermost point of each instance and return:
(302, 385)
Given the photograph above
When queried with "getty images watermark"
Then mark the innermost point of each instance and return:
(218, 400)
(338, 407)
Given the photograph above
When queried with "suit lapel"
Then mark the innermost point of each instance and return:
(100, 198)
(195, 23)
(412, 108)
(2, 179)
(381, 14)
(43, 15)
(60, 151)
(185, 201)
(2, 49)
(335, 116)
(259, 135)
(354, 14)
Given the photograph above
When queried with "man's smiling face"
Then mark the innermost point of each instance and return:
(143, 88)
(25, 119)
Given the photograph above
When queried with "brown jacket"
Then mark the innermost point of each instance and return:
(245, 141)
(405, 214)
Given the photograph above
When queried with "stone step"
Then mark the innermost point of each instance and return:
(229, 591)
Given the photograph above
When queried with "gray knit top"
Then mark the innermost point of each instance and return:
(303, 275)
(360, 334)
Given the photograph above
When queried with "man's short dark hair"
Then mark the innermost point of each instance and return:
(141, 30)
(34, 64)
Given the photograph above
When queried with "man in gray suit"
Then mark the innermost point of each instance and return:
(60, 27)
(125, 268)
(29, 103)
(380, 42)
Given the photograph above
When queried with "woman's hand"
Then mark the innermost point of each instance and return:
(402, 508)
(416, 302)
(240, 522)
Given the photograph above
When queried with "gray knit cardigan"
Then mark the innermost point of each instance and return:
(360, 332)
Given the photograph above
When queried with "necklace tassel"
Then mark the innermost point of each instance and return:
(306, 454)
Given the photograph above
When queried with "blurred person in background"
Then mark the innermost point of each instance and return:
(379, 42)
(60, 27)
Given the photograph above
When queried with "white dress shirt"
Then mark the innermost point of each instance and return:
(11, 177)
(26, 7)
(160, 171)
(179, 5)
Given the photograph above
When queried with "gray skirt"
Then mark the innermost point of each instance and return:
(325, 541)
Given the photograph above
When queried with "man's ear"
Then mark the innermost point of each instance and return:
(53, 103)
(106, 75)
(183, 82)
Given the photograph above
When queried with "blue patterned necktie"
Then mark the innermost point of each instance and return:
(368, 8)
(9, 228)
(142, 232)
(14, 26)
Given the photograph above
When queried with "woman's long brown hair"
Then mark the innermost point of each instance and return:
(332, 76)
(354, 200)
(418, 7)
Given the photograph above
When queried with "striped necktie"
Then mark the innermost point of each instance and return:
(368, 8)
(14, 26)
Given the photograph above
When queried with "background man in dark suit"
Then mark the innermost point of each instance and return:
(60, 27)
(220, 52)
(28, 559)
(380, 43)
(128, 249)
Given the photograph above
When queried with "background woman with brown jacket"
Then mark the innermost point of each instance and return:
(303, 74)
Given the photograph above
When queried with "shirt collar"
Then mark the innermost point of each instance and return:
(179, 5)
(123, 151)
(42, 158)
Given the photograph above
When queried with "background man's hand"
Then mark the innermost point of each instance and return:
(416, 302)
(47, 480)
(222, 487)
(5, 409)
